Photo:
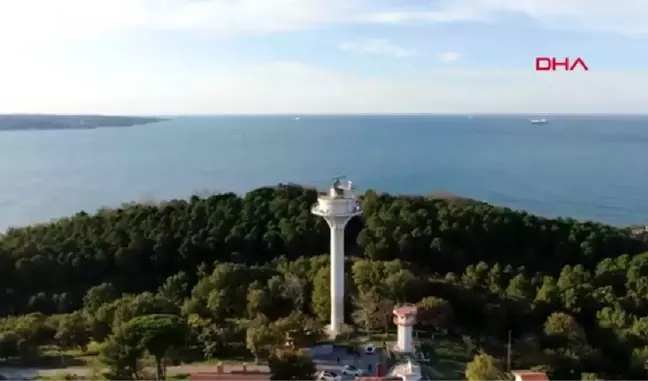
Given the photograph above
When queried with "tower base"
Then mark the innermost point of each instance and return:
(399, 351)
(330, 332)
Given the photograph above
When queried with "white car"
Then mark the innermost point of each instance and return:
(328, 376)
(370, 349)
(350, 370)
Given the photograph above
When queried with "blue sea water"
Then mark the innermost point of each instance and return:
(587, 167)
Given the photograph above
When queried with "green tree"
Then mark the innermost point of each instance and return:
(589, 377)
(175, 288)
(9, 344)
(122, 352)
(321, 300)
(434, 312)
(32, 331)
(366, 306)
(73, 331)
(158, 334)
(483, 367)
(142, 304)
(260, 339)
(258, 301)
(99, 295)
(520, 287)
(564, 327)
(297, 330)
(288, 364)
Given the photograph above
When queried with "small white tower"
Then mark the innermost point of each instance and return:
(405, 318)
(337, 208)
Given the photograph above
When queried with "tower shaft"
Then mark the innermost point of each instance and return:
(404, 338)
(337, 275)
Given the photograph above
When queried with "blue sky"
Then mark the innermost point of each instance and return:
(320, 56)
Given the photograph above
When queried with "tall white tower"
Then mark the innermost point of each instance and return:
(405, 318)
(337, 207)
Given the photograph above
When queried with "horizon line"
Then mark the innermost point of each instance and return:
(336, 114)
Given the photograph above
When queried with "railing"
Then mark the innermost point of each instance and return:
(353, 209)
(318, 208)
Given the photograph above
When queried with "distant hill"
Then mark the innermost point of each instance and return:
(12, 122)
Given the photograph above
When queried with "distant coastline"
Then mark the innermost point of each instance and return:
(30, 122)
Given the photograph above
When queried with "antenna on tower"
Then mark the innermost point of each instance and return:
(337, 183)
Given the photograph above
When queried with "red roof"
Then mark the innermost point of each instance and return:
(529, 375)
(404, 310)
(214, 376)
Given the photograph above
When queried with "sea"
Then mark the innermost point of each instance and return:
(582, 166)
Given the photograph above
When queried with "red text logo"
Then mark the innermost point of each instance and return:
(565, 64)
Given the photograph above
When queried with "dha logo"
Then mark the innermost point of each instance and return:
(552, 63)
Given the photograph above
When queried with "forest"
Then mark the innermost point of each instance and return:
(227, 272)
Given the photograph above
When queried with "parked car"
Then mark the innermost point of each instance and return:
(328, 376)
(350, 370)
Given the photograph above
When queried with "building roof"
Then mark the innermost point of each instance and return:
(405, 309)
(530, 375)
(214, 376)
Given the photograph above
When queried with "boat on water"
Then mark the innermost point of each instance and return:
(539, 121)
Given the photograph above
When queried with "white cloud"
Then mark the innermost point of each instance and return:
(377, 47)
(47, 19)
(295, 87)
(38, 77)
(449, 56)
(26, 21)
(441, 16)
(621, 16)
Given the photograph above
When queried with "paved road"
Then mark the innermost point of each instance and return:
(340, 357)
(30, 373)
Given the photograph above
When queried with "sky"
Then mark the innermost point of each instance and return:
(168, 57)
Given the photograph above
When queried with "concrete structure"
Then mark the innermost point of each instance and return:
(407, 371)
(405, 318)
(337, 207)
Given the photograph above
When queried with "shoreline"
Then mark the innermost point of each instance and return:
(38, 122)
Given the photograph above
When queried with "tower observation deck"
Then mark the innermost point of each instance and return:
(337, 207)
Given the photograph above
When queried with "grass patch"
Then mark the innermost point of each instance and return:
(449, 358)
(226, 361)
(50, 356)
